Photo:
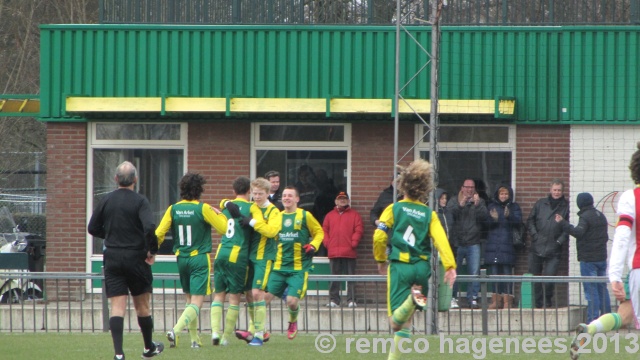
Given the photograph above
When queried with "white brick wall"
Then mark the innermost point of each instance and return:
(600, 158)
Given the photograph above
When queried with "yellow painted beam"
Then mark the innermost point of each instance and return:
(184, 104)
(113, 104)
(278, 105)
(281, 105)
(26, 106)
(360, 105)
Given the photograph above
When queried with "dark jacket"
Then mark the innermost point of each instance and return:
(445, 216)
(384, 199)
(467, 221)
(499, 246)
(276, 199)
(591, 233)
(547, 235)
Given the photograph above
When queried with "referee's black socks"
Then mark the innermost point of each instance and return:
(116, 324)
(146, 326)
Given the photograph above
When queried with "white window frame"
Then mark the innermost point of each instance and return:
(93, 143)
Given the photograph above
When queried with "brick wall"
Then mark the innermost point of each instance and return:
(66, 202)
(542, 154)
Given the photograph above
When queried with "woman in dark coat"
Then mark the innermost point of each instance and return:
(499, 254)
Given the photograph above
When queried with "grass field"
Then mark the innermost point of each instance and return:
(98, 346)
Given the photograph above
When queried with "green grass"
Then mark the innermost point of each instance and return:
(98, 346)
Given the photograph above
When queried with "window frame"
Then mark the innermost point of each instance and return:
(94, 143)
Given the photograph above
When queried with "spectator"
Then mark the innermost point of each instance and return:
(274, 192)
(469, 213)
(446, 220)
(123, 218)
(591, 241)
(342, 233)
(384, 199)
(547, 238)
(504, 215)
(307, 188)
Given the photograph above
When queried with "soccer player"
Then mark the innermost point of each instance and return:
(623, 252)
(232, 259)
(123, 218)
(412, 225)
(190, 222)
(262, 252)
(299, 239)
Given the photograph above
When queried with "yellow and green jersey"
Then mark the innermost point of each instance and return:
(412, 224)
(298, 229)
(263, 246)
(190, 222)
(234, 245)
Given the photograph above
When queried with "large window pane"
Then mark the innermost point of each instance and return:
(471, 134)
(486, 167)
(159, 171)
(318, 175)
(137, 131)
(301, 133)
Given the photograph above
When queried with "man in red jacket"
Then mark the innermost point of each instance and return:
(342, 232)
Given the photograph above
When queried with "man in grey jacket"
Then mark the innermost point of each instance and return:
(469, 213)
(547, 238)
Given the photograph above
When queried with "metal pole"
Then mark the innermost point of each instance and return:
(395, 103)
(433, 125)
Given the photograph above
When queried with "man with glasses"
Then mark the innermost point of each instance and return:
(469, 213)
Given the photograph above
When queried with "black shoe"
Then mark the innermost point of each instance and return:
(115, 357)
(158, 347)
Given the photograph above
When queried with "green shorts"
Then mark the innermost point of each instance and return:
(259, 274)
(195, 274)
(401, 277)
(296, 281)
(229, 277)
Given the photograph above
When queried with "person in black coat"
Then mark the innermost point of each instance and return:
(591, 241)
(499, 255)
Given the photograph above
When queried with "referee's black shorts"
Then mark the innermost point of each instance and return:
(126, 271)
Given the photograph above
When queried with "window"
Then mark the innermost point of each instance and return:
(157, 151)
(314, 158)
(482, 153)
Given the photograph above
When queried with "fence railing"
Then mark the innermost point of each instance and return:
(370, 12)
(70, 302)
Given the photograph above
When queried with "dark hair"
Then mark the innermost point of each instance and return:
(191, 186)
(271, 174)
(294, 189)
(241, 185)
(126, 174)
(634, 166)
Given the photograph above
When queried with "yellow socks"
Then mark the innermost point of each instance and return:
(404, 312)
(230, 321)
(605, 323)
(405, 333)
(216, 316)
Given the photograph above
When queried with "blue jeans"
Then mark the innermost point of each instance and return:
(598, 302)
(472, 255)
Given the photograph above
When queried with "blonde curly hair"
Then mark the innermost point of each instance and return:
(416, 180)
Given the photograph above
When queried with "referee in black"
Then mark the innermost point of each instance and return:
(124, 220)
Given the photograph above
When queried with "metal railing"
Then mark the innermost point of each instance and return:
(369, 12)
(74, 302)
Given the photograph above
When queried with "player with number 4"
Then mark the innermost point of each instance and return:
(190, 222)
(412, 225)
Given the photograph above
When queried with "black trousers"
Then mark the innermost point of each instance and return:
(547, 266)
(342, 266)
